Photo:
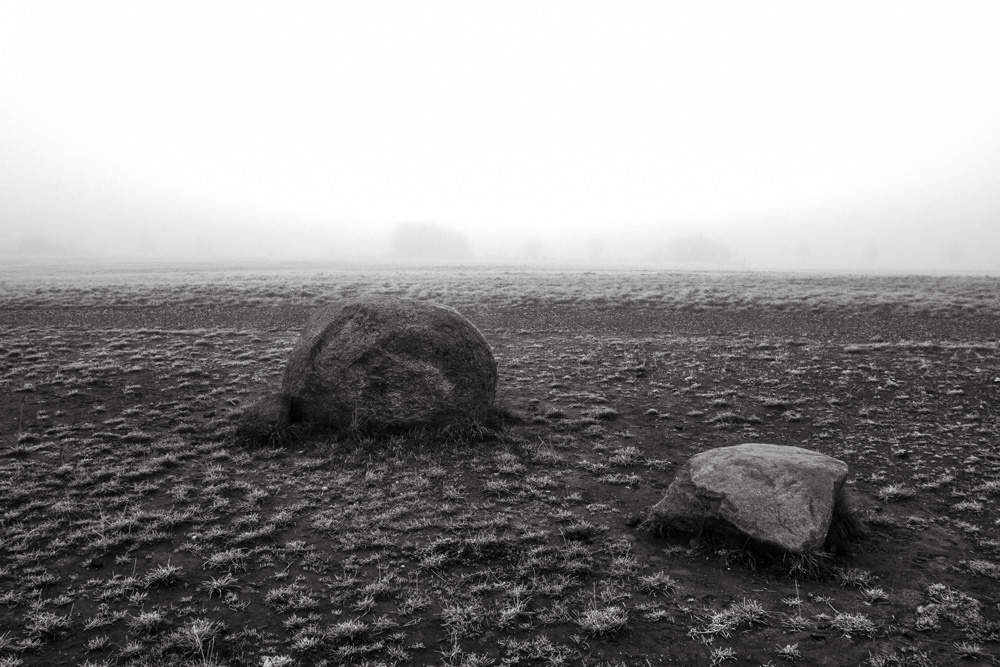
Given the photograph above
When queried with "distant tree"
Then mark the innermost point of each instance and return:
(532, 249)
(693, 250)
(955, 253)
(871, 254)
(429, 242)
(42, 245)
(595, 248)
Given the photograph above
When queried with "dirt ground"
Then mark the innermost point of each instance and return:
(124, 508)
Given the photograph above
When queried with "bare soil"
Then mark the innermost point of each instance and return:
(124, 505)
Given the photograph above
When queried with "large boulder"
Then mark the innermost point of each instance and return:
(380, 363)
(775, 496)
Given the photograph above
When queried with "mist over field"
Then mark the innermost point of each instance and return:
(832, 247)
(860, 137)
(957, 230)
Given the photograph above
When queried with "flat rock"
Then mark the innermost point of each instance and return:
(778, 496)
(379, 363)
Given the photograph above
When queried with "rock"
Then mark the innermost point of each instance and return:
(378, 363)
(266, 421)
(778, 497)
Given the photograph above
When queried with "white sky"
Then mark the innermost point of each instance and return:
(562, 121)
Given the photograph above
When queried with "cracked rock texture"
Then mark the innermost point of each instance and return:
(379, 363)
(778, 496)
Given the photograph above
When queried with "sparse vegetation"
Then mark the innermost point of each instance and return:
(134, 529)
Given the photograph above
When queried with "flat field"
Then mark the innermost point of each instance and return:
(134, 531)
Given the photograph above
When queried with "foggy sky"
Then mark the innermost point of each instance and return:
(859, 136)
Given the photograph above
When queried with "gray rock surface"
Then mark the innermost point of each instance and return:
(264, 421)
(379, 363)
(778, 496)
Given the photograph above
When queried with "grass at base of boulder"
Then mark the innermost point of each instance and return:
(269, 423)
(756, 557)
(846, 529)
(401, 443)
